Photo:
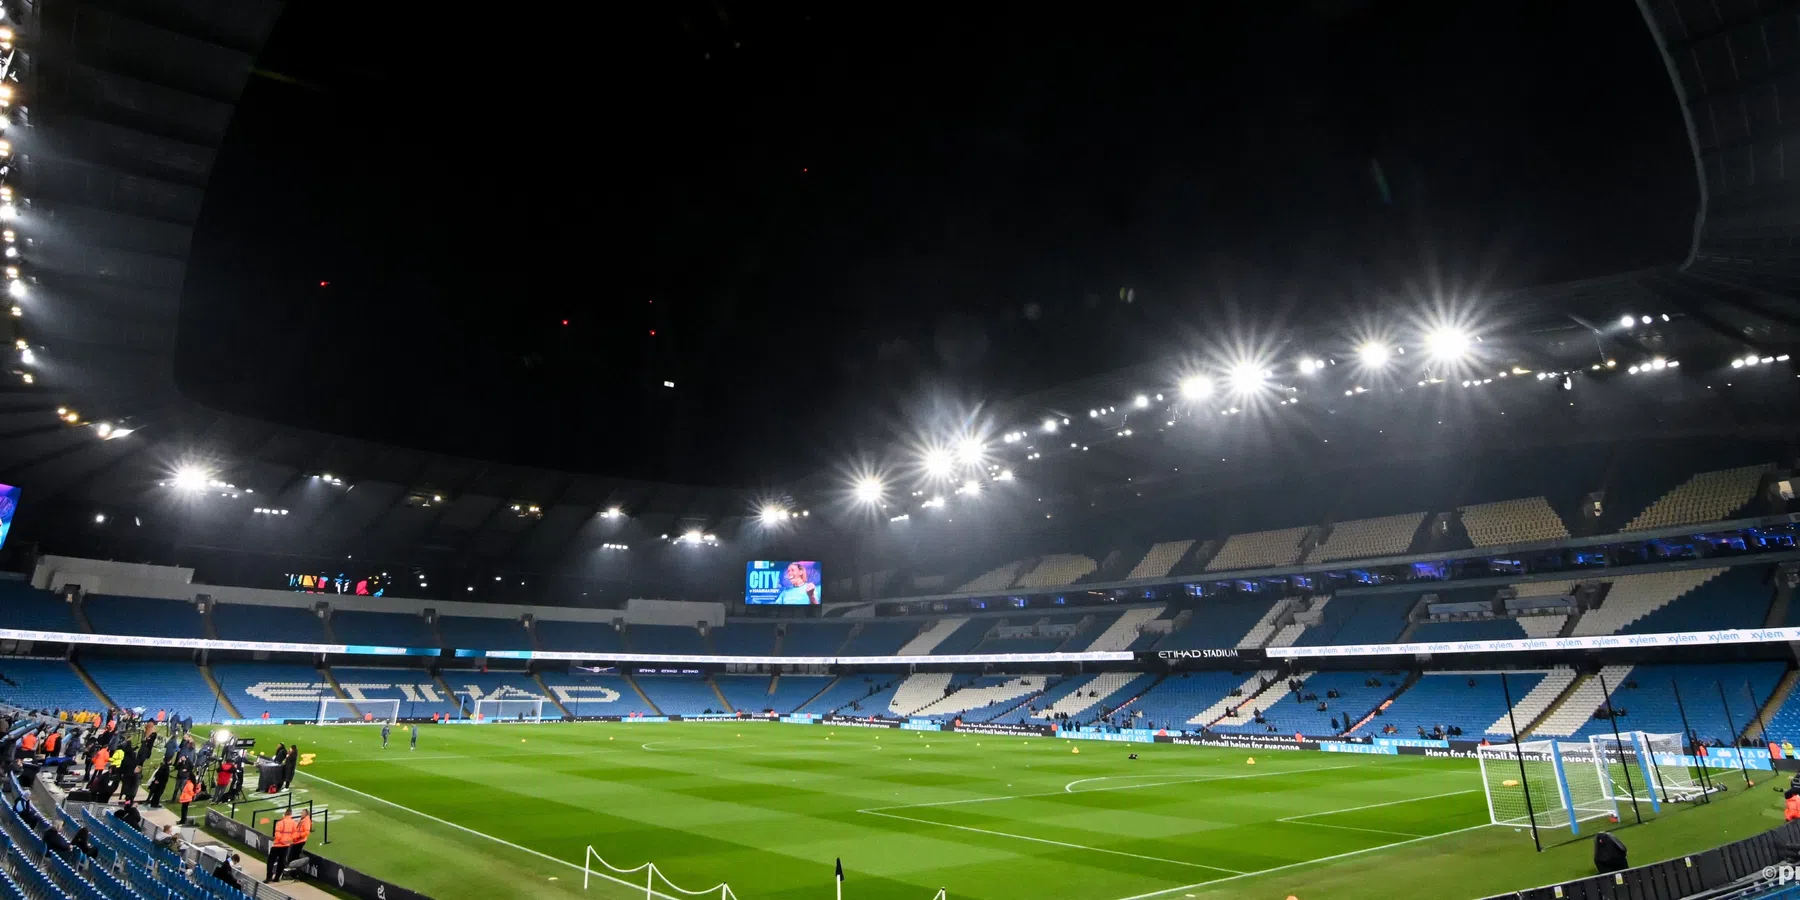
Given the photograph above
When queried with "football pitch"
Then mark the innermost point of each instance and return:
(509, 810)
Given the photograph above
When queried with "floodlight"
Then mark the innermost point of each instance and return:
(99, 518)
(104, 430)
(189, 478)
(1310, 366)
(1195, 387)
(693, 536)
(1447, 344)
(868, 489)
(1646, 320)
(969, 451)
(938, 462)
(1627, 321)
(1246, 378)
(772, 514)
(971, 487)
(1049, 426)
(1005, 475)
(1374, 354)
(16, 288)
(1141, 402)
(8, 212)
(613, 512)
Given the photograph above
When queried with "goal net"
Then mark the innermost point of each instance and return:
(509, 709)
(1552, 784)
(333, 711)
(1644, 767)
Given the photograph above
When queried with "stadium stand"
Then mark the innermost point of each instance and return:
(680, 695)
(44, 684)
(143, 616)
(1706, 497)
(1479, 629)
(588, 694)
(245, 622)
(283, 690)
(670, 639)
(984, 697)
(1265, 626)
(470, 685)
(482, 633)
(568, 637)
(995, 579)
(921, 690)
(418, 693)
(926, 641)
(1122, 632)
(1645, 700)
(877, 638)
(354, 626)
(1075, 696)
(1632, 597)
(1218, 622)
(1534, 703)
(1184, 698)
(175, 685)
(1056, 570)
(814, 639)
(964, 638)
(1521, 521)
(1472, 701)
(1366, 619)
(1384, 536)
(744, 639)
(1290, 715)
(749, 693)
(1737, 598)
(849, 689)
(1259, 550)
(1578, 704)
(28, 608)
(1160, 560)
(791, 692)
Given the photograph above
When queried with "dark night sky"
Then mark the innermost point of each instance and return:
(825, 214)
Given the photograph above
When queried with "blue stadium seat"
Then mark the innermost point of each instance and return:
(1366, 619)
(378, 629)
(25, 607)
(1218, 623)
(1738, 598)
(680, 695)
(1449, 699)
(283, 690)
(749, 693)
(44, 684)
(744, 639)
(869, 689)
(145, 616)
(791, 691)
(668, 639)
(814, 638)
(174, 685)
(1289, 715)
(418, 694)
(471, 684)
(575, 637)
(246, 622)
(1467, 630)
(1651, 706)
(1180, 697)
(879, 638)
(588, 694)
(966, 638)
(482, 633)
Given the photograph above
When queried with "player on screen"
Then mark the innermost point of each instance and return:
(800, 590)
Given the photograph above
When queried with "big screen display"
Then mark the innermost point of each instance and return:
(9, 503)
(782, 582)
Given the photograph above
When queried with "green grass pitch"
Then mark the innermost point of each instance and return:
(509, 810)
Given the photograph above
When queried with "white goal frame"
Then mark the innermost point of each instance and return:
(338, 711)
(1659, 772)
(1563, 780)
(508, 709)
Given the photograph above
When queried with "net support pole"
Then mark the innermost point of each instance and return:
(1756, 707)
(1647, 766)
(1691, 741)
(1613, 719)
(1739, 751)
(1562, 787)
(1519, 757)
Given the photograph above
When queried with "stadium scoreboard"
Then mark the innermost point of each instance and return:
(770, 582)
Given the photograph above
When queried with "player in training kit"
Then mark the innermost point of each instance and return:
(415, 737)
(385, 728)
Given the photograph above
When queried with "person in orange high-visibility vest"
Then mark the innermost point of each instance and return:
(286, 831)
(1793, 804)
(51, 743)
(303, 830)
(29, 742)
(189, 790)
(101, 757)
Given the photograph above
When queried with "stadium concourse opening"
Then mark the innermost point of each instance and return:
(992, 456)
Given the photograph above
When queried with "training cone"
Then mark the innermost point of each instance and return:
(1250, 762)
(521, 740)
(1074, 749)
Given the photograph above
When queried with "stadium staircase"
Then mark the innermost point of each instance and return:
(779, 636)
(724, 703)
(206, 623)
(1576, 707)
(919, 691)
(450, 696)
(338, 689)
(79, 609)
(219, 692)
(1265, 627)
(1124, 630)
(641, 695)
(1777, 698)
(330, 634)
(1253, 692)
(92, 685)
(809, 701)
(436, 634)
(1633, 597)
(551, 695)
(1406, 634)
(1778, 607)
(1538, 703)
(1406, 684)
(933, 635)
(849, 638)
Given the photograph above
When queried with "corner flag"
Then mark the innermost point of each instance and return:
(840, 878)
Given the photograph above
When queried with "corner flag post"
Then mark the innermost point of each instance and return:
(840, 878)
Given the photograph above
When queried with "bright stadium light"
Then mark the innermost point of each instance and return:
(1246, 378)
(772, 514)
(938, 462)
(1627, 321)
(1311, 366)
(16, 288)
(971, 487)
(1194, 387)
(1447, 344)
(189, 478)
(1141, 402)
(692, 536)
(1049, 426)
(1374, 354)
(1005, 475)
(613, 512)
(868, 489)
(969, 451)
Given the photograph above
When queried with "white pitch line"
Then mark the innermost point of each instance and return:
(1406, 834)
(1304, 862)
(1331, 812)
(1036, 840)
(1070, 787)
(467, 830)
(1123, 787)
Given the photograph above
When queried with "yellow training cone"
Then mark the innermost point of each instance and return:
(1250, 762)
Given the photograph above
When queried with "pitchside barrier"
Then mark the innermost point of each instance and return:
(1762, 856)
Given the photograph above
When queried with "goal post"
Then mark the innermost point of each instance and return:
(335, 711)
(1646, 767)
(1549, 784)
(508, 709)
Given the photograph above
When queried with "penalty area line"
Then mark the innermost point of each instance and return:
(501, 841)
(1304, 862)
(1035, 840)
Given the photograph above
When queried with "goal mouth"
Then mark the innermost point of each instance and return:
(338, 711)
(509, 710)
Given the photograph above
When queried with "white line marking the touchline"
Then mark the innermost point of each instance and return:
(1346, 809)
(1123, 787)
(1036, 840)
(1070, 787)
(1304, 862)
(467, 830)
